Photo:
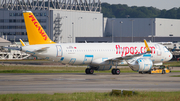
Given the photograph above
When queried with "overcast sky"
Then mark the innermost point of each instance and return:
(160, 4)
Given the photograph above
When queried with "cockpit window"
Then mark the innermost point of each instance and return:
(165, 49)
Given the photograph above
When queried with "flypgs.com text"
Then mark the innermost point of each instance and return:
(133, 50)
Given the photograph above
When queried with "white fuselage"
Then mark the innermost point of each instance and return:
(94, 53)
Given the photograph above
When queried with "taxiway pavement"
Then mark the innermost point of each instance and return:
(80, 82)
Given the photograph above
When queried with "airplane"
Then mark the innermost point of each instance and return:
(139, 56)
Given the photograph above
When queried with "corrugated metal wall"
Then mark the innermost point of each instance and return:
(167, 27)
(141, 27)
(73, 24)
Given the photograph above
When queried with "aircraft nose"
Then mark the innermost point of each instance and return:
(170, 56)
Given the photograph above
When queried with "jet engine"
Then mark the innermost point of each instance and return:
(141, 64)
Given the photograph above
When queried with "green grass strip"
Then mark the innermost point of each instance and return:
(175, 76)
(92, 96)
(49, 71)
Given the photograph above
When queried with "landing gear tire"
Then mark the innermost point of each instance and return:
(89, 71)
(115, 71)
(163, 72)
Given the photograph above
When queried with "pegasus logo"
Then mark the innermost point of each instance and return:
(40, 30)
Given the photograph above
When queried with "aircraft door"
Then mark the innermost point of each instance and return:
(59, 51)
(158, 49)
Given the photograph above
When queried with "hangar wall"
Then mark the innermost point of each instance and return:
(167, 27)
(67, 25)
(123, 27)
(141, 27)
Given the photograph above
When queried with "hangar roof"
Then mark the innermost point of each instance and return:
(4, 42)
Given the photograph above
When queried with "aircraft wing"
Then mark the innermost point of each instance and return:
(125, 57)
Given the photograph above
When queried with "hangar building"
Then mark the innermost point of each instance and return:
(137, 29)
(140, 27)
(62, 20)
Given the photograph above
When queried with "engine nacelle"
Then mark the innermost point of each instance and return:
(141, 65)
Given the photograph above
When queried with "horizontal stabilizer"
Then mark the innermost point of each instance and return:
(41, 50)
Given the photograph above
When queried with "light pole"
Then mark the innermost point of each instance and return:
(72, 32)
(121, 30)
(69, 37)
(112, 29)
(132, 29)
(152, 30)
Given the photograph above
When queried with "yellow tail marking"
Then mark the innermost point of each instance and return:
(22, 42)
(35, 33)
(147, 47)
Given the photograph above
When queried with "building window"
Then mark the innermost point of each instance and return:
(36, 14)
(10, 20)
(18, 33)
(44, 14)
(43, 20)
(6, 21)
(10, 14)
(44, 27)
(18, 20)
(14, 14)
(5, 33)
(12, 27)
(1, 20)
(12, 33)
(23, 27)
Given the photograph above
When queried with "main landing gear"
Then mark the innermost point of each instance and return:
(115, 71)
(89, 71)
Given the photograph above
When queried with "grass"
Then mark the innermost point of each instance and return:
(173, 63)
(93, 96)
(175, 76)
(65, 69)
(37, 69)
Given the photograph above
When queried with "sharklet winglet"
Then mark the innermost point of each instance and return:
(22, 42)
(147, 47)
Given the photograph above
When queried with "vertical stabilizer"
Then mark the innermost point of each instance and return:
(35, 32)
